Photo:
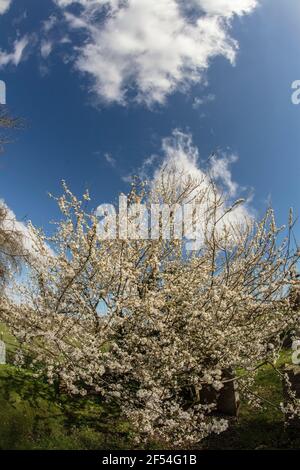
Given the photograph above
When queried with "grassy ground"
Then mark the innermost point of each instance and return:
(32, 416)
(260, 429)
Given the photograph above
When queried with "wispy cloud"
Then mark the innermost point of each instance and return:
(110, 159)
(200, 101)
(181, 156)
(46, 49)
(28, 240)
(15, 56)
(50, 23)
(178, 166)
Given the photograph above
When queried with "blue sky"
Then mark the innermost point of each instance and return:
(82, 128)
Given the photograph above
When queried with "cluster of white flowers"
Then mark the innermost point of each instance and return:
(144, 323)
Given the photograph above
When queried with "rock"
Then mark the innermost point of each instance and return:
(227, 399)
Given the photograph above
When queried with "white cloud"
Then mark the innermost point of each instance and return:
(16, 55)
(4, 6)
(212, 188)
(46, 48)
(89, 3)
(181, 155)
(226, 8)
(12, 224)
(151, 49)
(198, 102)
(50, 23)
(220, 171)
(110, 159)
(179, 152)
(32, 245)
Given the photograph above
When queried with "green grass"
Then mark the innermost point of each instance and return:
(33, 416)
(260, 429)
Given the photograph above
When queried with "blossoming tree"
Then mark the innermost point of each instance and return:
(144, 323)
